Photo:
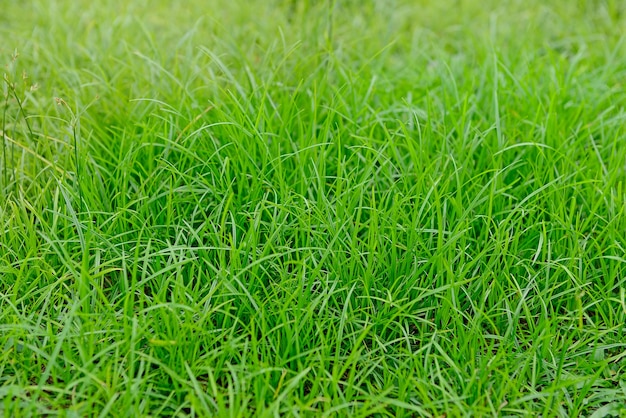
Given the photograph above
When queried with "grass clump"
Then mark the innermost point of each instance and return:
(313, 208)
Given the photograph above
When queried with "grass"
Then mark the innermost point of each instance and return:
(265, 208)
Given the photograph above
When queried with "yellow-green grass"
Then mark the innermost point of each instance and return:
(313, 208)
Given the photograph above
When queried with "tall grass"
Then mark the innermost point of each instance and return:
(313, 208)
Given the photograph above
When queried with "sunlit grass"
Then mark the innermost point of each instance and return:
(350, 208)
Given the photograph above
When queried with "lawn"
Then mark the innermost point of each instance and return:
(313, 208)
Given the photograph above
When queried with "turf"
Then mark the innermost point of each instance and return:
(300, 208)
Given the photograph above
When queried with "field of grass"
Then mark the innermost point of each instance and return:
(313, 208)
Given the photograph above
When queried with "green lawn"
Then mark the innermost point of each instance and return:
(313, 208)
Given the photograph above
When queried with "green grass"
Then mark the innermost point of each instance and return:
(299, 208)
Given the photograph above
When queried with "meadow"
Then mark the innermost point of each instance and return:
(313, 208)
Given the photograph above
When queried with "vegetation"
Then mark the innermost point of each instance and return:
(300, 208)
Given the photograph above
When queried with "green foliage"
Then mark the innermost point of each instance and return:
(387, 208)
